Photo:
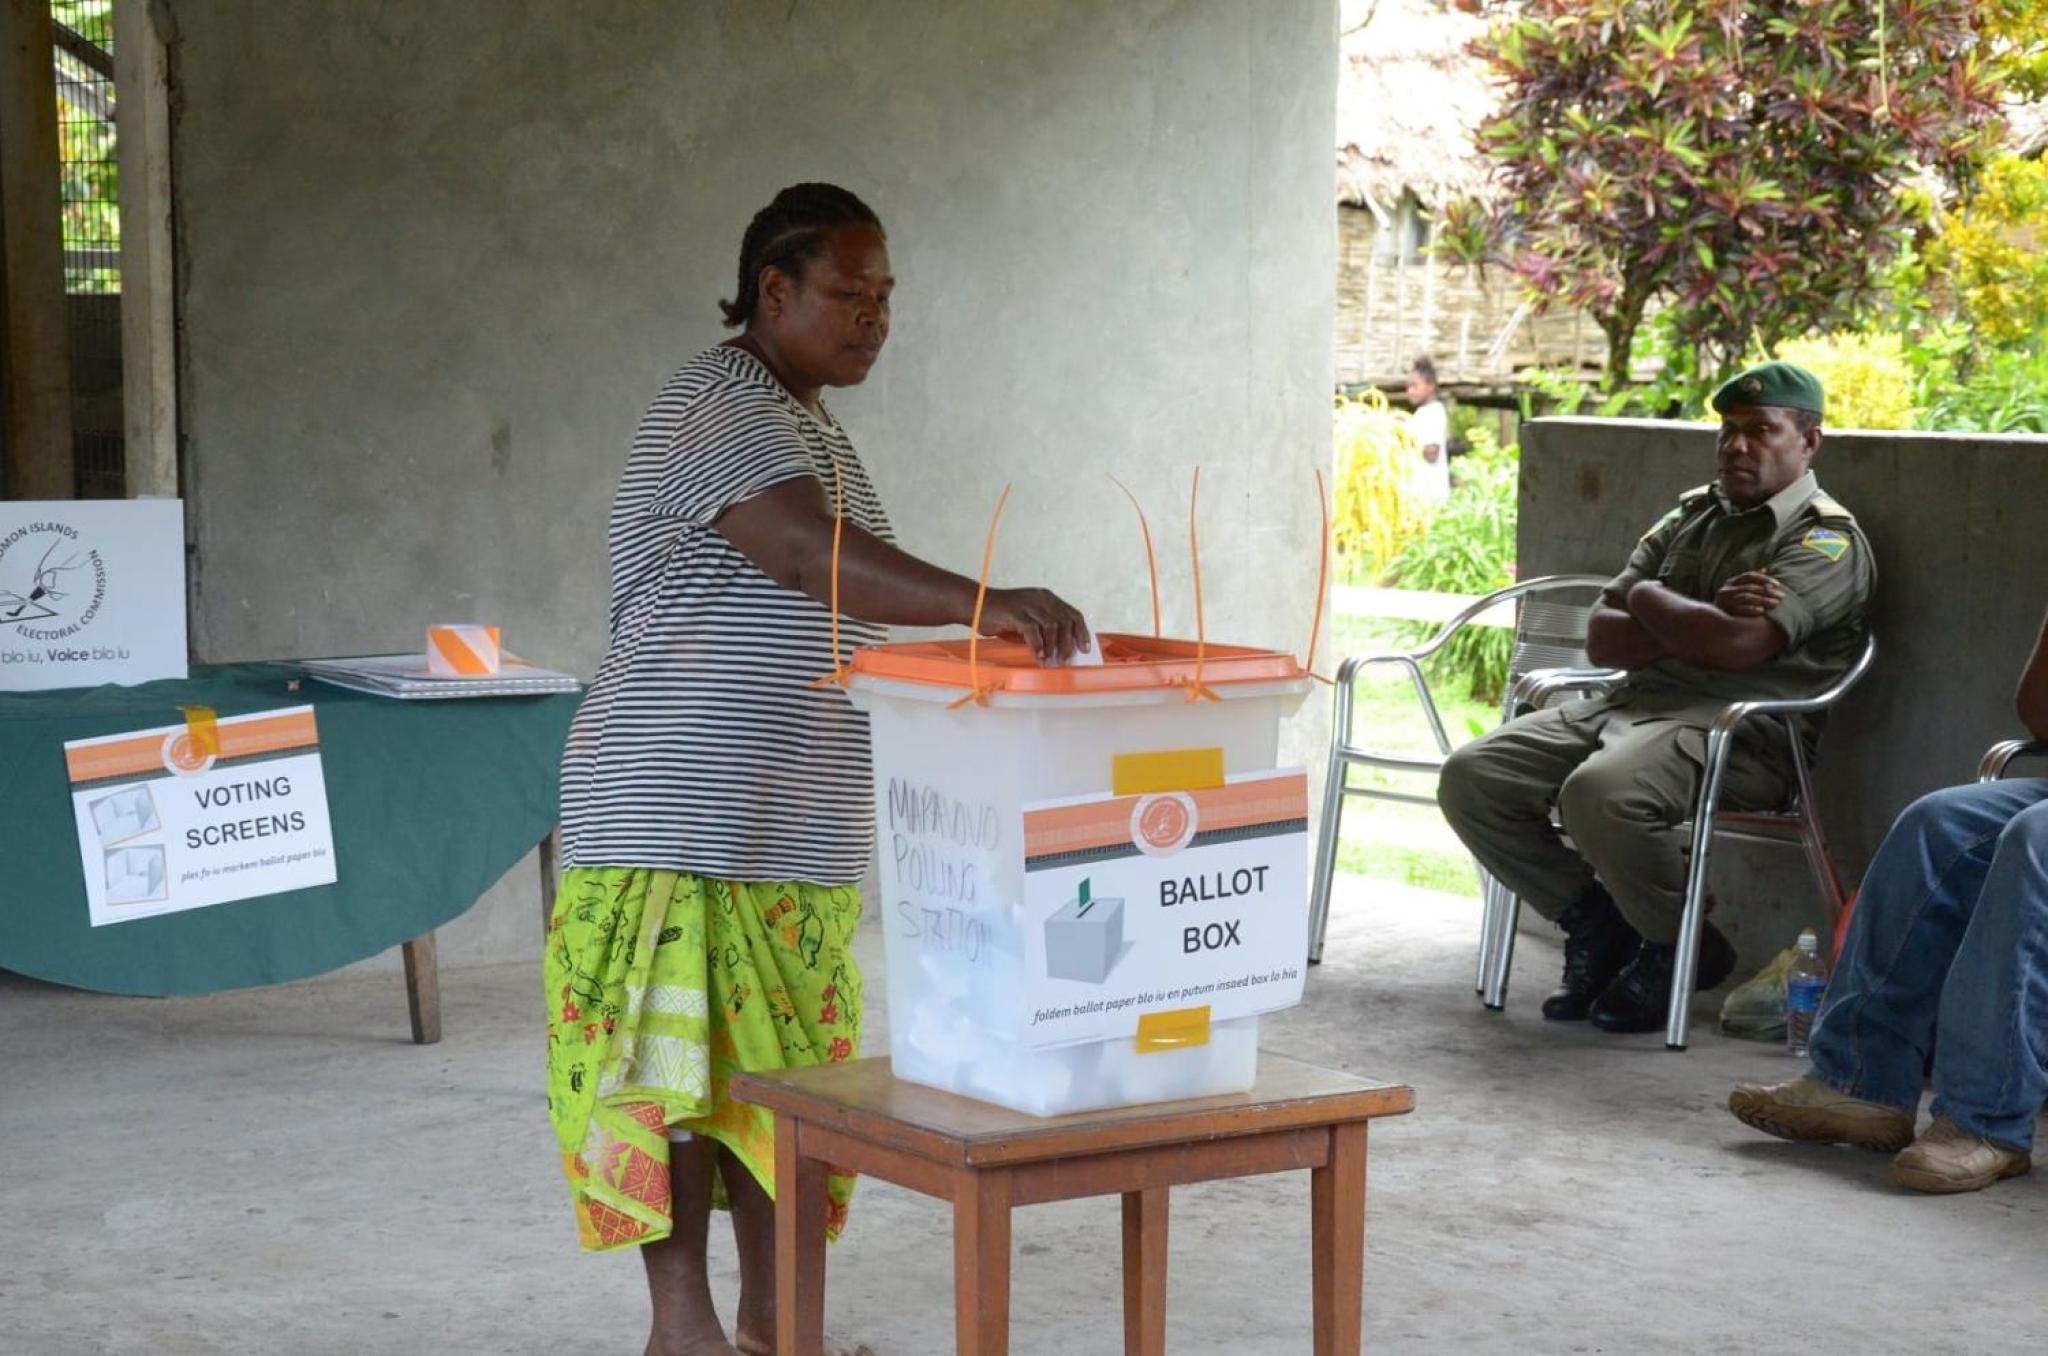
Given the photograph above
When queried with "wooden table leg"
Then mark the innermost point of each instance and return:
(1337, 1199)
(549, 880)
(1145, 1272)
(423, 988)
(981, 1263)
(799, 1245)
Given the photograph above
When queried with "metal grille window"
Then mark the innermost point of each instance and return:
(88, 193)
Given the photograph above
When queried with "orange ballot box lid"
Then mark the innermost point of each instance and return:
(1129, 664)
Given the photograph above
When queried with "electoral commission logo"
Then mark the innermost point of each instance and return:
(52, 582)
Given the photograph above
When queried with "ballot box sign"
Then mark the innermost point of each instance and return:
(1164, 903)
(91, 591)
(200, 813)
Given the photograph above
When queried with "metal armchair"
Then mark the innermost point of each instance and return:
(2000, 756)
(1552, 613)
(1798, 823)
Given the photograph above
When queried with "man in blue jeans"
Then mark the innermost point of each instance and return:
(1945, 968)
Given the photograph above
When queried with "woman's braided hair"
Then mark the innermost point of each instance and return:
(788, 232)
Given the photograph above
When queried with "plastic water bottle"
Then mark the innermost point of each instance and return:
(1804, 984)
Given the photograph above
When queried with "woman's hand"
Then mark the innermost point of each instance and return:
(1052, 628)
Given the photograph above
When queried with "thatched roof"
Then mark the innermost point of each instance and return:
(1409, 99)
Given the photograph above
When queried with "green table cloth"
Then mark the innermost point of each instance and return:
(432, 801)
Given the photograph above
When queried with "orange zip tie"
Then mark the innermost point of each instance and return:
(1151, 561)
(1315, 630)
(1197, 691)
(976, 693)
(840, 675)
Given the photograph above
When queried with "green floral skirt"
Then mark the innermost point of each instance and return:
(660, 986)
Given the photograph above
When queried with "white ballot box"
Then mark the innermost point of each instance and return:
(1094, 878)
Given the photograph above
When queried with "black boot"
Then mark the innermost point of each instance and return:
(1639, 999)
(1597, 945)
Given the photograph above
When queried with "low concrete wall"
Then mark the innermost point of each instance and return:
(1955, 523)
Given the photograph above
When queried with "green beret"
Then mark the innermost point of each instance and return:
(1772, 383)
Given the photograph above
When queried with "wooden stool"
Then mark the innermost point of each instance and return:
(986, 1160)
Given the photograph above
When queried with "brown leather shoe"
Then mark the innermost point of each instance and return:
(1949, 1159)
(1808, 1111)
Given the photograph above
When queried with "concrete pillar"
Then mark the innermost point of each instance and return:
(149, 394)
(38, 343)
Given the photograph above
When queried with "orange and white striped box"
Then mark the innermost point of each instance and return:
(462, 650)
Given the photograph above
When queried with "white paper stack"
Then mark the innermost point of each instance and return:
(406, 677)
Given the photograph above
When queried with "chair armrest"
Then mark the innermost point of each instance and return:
(1411, 660)
(1478, 607)
(1535, 688)
(1735, 713)
(2000, 755)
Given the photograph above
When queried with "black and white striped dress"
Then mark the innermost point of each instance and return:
(702, 745)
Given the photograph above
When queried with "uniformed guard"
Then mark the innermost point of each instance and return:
(1753, 587)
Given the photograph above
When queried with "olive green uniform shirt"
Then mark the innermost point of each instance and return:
(1800, 537)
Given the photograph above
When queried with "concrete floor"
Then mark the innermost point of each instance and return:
(279, 1170)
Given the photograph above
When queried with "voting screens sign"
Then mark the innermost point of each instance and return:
(185, 816)
(91, 591)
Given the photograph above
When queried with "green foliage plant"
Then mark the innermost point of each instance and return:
(2017, 31)
(1469, 549)
(1737, 162)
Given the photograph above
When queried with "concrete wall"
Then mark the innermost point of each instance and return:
(1954, 521)
(437, 257)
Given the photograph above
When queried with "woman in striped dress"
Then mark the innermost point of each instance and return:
(717, 807)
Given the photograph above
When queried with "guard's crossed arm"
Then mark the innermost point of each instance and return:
(1701, 634)
(1616, 640)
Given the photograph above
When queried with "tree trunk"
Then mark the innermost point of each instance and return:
(1620, 326)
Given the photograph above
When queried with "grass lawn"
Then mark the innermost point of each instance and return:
(1384, 839)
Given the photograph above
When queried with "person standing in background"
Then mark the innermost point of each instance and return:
(1431, 425)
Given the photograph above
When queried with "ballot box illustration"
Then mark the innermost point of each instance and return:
(1085, 939)
(1050, 839)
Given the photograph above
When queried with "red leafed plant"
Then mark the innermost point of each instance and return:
(1736, 161)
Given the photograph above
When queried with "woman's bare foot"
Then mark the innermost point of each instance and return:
(712, 1343)
(761, 1342)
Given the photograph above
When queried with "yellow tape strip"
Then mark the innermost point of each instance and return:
(1180, 1029)
(1146, 774)
(202, 727)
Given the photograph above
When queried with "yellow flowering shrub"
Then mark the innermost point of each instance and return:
(1995, 247)
(1379, 502)
(1868, 381)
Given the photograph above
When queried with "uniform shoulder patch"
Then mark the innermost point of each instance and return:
(1694, 495)
(1827, 541)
